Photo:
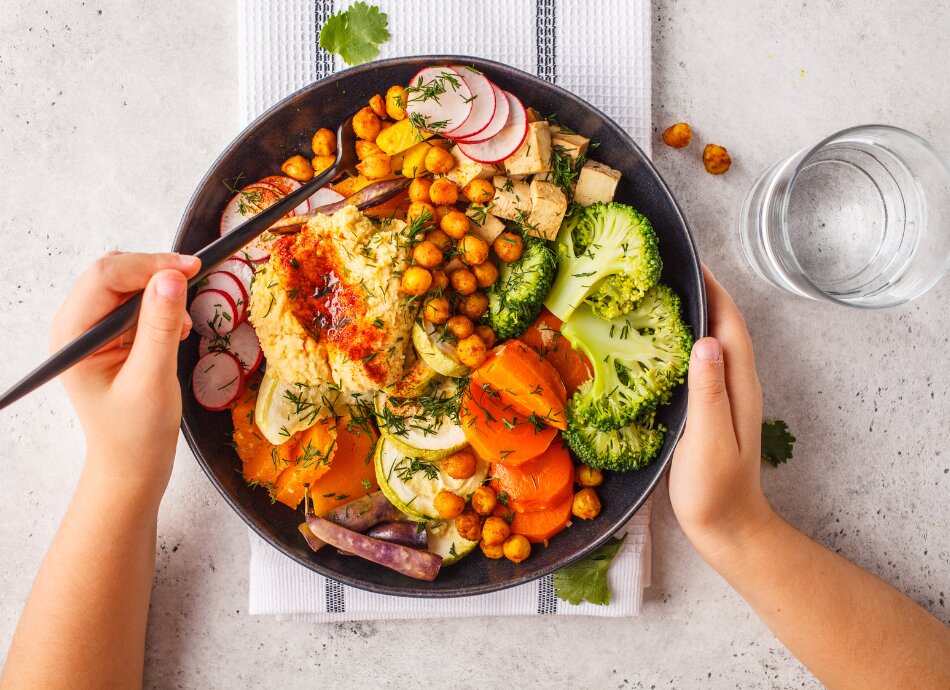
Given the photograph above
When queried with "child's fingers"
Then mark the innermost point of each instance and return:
(154, 354)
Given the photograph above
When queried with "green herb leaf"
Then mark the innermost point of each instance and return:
(356, 33)
(777, 442)
(586, 580)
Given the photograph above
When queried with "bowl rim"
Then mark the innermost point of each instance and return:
(674, 435)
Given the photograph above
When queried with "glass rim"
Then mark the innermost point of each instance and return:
(806, 159)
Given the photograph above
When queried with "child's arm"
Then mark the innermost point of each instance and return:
(848, 627)
(84, 622)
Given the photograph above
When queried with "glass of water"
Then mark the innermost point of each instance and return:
(861, 219)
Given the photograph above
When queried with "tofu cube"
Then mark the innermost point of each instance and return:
(574, 145)
(534, 154)
(597, 182)
(484, 223)
(548, 206)
(466, 169)
(512, 198)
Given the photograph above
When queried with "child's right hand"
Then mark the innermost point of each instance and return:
(714, 479)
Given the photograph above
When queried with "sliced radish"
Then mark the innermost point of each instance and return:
(286, 185)
(438, 100)
(506, 142)
(217, 380)
(324, 197)
(228, 283)
(483, 104)
(242, 342)
(242, 269)
(249, 202)
(498, 121)
(213, 312)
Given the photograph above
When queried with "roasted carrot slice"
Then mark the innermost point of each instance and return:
(544, 337)
(351, 473)
(497, 432)
(525, 381)
(265, 466)
(538, 484)
(541, 525)
(247, 439)
(316, 447)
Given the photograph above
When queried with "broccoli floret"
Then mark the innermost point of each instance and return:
(627, 448)
(608, 255)
(517, 296)
(637, 358)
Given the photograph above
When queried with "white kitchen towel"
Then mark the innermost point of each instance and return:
(606, 62)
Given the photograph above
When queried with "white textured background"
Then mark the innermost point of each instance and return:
(120, 107)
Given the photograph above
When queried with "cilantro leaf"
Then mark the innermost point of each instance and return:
(777, 442)
(586, 580)
(356, 33)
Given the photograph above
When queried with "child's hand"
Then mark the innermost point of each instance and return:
(127, 395)
(714, 480)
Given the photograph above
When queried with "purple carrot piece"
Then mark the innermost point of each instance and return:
(411, 534)
(413, 563)
(359, 514)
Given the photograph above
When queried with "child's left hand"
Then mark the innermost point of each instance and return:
(127, 395)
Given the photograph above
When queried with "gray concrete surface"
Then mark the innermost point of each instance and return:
(120, 106)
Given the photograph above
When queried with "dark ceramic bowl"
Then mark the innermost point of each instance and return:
(285, 130)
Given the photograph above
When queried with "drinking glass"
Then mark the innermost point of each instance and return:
(861, 219)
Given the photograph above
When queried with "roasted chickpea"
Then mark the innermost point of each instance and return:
(416, 281)
(469, 525)
(441, 212)
(439, 238)
(586, 476)
(323, 142)
(420, 212)
(444, 192)
(471, 351)
(479, 191)
(473, 250)
(508, 246)
(321, 163)
(366, 125)
(678, 135)
(474, 305)
(460, 326)
(484, 500)
(437, 310)
(463, 281)
(439, 161)
(396, 103)
(367, 149)
(495, 552)
(486, 273)
(440, 281)
(376, 167)
(516, 548)
(378, 107)
(461, 465)
(419, 189)
(298, 168)
(427, 254)
(486, 334)
(716, 159)
(455, 224)
(495, 531)
(448, 505)
(586, 504)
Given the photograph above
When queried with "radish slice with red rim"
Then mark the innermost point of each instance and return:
(483, 104)
(498, 121)
(286, 185)
(228, 283)
(241, 269)
(249, 202)
(242, 342)
(506, 142)
(213, 312)
(438, 100)
(324, 197)
(217, 380)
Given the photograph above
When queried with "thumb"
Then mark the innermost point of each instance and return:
(155, 348)
(708, 408)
